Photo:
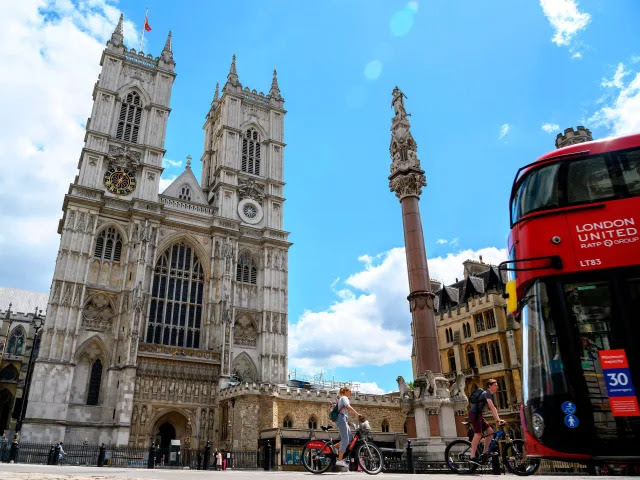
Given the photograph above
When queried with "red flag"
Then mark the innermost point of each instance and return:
(146, 25)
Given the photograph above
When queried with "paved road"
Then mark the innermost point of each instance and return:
(44, 472)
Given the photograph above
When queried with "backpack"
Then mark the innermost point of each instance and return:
(476, 396)
(333, 414)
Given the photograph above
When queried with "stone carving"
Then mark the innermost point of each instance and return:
(408, 185)
(227, 251)
(431, 388)
(81, 223)
(97, 313)
(244, 332)
(457, 387)
(244, 368)
(123, 156)
(398, 104)
(249, 188)
(134, 415)
(66, 296)
(405, 390)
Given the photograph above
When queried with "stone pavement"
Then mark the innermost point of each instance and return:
(44, 472)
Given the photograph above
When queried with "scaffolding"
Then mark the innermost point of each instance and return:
(319, 381)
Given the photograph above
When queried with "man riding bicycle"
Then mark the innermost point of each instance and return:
(476, 419)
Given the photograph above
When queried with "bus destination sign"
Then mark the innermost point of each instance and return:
(622, 395)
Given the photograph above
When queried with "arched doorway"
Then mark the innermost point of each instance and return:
(166, 433)
(6, 403)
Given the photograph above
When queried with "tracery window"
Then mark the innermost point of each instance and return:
(108, 245)
(479, 322)
(16, 341)
(471, 356)
(246, 271)
(385, 425)
(312, 423)
(451, 357)
(251, 152)
(490, 318)
(466, 330)
(496, 357)
(185, 193)
(175, 312)
(94, 383)
(129, 119)
(484, 355)
(287, 423)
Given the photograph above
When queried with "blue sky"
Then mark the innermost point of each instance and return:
(489, 85)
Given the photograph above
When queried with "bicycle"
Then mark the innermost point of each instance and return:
(457, 455)
(318, 456)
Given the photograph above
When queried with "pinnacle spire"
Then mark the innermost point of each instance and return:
(118, 34)
(275, 89)
(167, 45)
(216, 96)
(188, 161)
(232, 77)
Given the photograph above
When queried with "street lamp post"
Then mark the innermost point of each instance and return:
(37, 323)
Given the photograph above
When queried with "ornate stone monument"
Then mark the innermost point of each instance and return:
(432, 403)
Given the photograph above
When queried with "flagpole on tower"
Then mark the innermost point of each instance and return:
(145, 27)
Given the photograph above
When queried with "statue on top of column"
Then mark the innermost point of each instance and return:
(398, 104)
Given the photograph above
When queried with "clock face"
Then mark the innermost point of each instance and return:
(119, 181)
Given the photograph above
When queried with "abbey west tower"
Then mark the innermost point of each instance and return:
(158, 300)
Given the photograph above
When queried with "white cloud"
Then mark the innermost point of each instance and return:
(442, 241)
(165, 182)
(618, 77)
(566, 20)
(621, 112)
(504, 130)
(371, 387)
(368, 324)
(50, 56)
(167, 163)
(577, 55)
(550, 127)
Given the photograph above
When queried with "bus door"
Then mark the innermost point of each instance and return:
(604, 315)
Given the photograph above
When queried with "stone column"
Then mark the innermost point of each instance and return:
(406, 181)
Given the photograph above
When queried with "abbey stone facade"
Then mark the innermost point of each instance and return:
(159, 299)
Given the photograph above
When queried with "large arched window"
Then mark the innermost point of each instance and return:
(287, 423)
(129, 119)
(16, 341)
(451, 357)
(251, 152)
(246, 271)
(108, 245)
(175, 313)
(471, 356)
(95, 379)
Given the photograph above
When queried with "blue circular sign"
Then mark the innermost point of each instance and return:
(571, 421)
(568, 408)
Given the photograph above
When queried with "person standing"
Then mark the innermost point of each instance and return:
(344, 407)
(219, 459)
(478, 422)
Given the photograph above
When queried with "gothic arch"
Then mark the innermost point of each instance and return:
(124, 90)
(17, 341)
(245, 368)
(164, 411)
(191, 241)
(84, 382)
(87, 344)
(118, 227)
(261, 131)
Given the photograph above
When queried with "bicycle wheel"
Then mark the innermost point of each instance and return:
(370, 458)
(516, 460)
(457, 455)
(317, 456)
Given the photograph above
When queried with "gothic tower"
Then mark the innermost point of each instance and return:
(242, 177)
(160, 299)
(571, 136)
(84, 377)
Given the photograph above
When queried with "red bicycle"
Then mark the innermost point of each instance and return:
(318, 456)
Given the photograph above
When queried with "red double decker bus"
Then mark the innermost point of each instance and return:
(574, 264)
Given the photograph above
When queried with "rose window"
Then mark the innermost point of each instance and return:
(250, 210)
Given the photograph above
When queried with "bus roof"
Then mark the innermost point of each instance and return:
(587, 148)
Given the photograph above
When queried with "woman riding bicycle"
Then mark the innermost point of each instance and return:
(344, 406)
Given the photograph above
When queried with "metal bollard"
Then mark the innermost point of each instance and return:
(101, 455)
(152, 456)
(267, 456)
(410, 466)
(207, 455)
(495, 464)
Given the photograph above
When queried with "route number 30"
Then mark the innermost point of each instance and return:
(618, 379)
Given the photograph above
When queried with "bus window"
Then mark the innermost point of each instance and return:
(589, 180)
(630, 164)
(537, 191)
(545, 374)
